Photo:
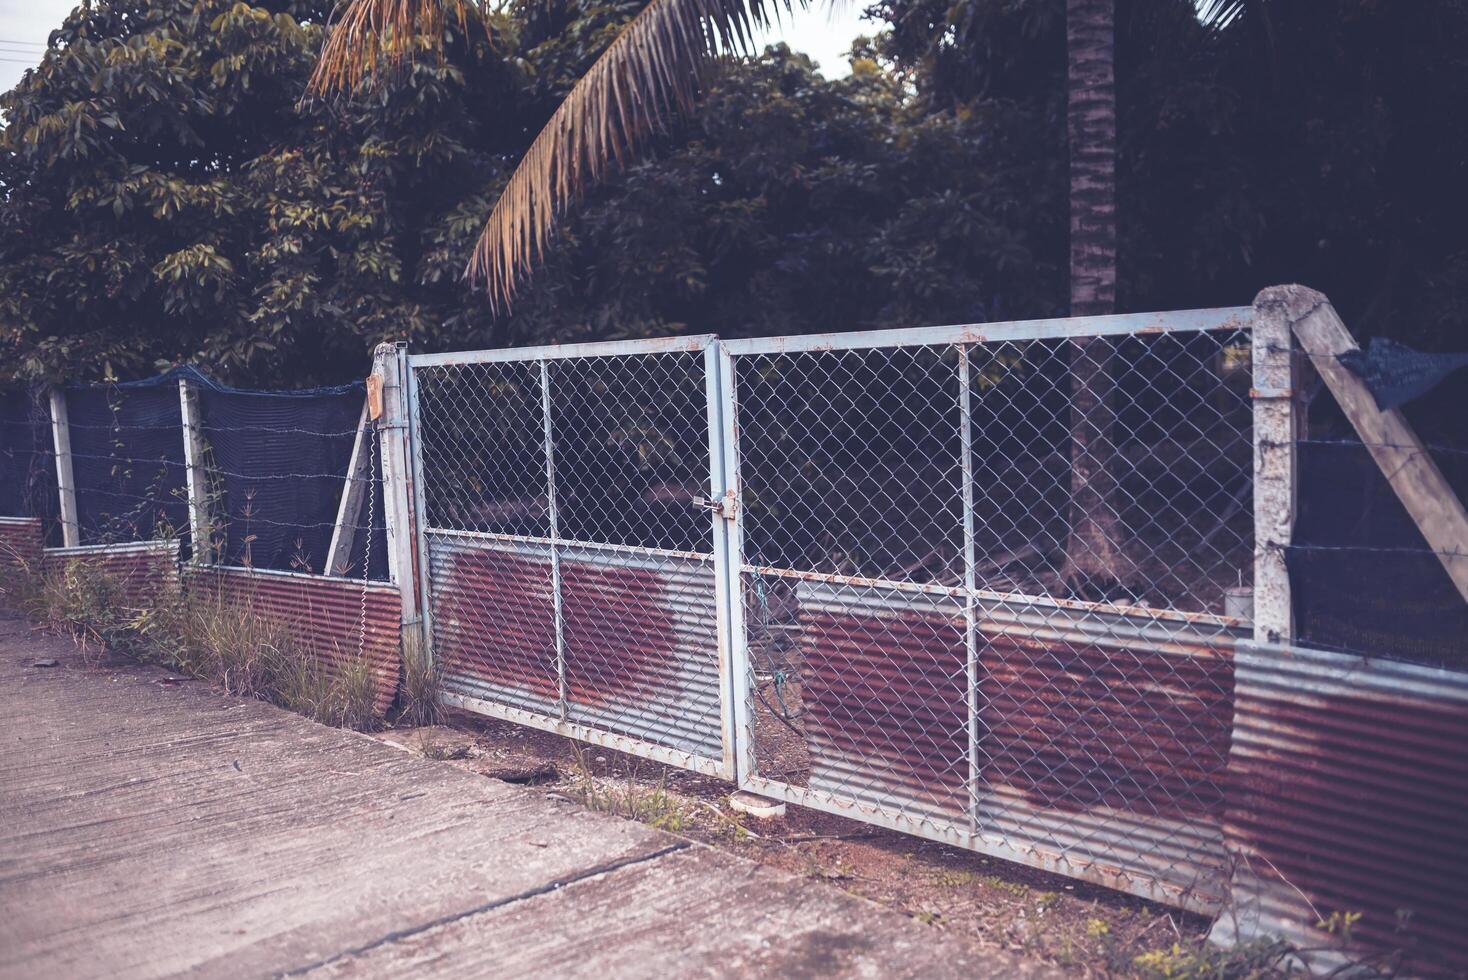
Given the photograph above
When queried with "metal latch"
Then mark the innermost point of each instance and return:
(723, 506)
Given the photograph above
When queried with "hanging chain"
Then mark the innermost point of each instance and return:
(372, 437)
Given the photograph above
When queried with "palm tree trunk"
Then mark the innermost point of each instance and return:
(1094, 557)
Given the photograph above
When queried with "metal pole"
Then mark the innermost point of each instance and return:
(970, 584)
(392, 430)
(200, 545)
(554, 531)
(420, 509)
(349, 511)
(720, 516)
(65, 479)
(746, 765)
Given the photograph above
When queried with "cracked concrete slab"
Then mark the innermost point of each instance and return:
(150, 829)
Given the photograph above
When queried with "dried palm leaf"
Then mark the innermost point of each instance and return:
(650, 70)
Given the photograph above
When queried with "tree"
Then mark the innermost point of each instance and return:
(1094, 554)
(165, 196)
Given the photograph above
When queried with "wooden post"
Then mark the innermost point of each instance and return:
(390, 363)
(65, 480)
(200, 528)
(1277, 416)
(354, 491)
(1390, 439)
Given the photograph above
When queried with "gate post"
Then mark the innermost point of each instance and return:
(1277, 420)
(390, 366)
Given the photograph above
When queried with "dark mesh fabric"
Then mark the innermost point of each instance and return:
(127, 459)
(279, 459)
(275, 463)
(27, 470)
(1362, 577)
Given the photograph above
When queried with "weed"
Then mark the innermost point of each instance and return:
(443, 751)
(80, 600)
(422, 677)
(1205, 961)
(653, 805)
(1012, 888)
(953, 877)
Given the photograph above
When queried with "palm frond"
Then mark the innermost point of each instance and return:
(651, 69)
(370, 32)
(1220, 13)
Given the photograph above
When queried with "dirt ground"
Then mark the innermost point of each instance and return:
(1089, 930)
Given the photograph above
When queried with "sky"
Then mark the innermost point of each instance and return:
(823, 34)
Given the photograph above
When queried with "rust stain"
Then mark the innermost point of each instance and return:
(323, 616)
(620, 642)
(1074, 727)
(502, 614)
(888, 692)
(141, 572)
(20, 545)
(1068, 727)
(1361, 803)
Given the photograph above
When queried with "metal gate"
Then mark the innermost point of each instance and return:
(918, 646)
(571, 551)
(851, 571)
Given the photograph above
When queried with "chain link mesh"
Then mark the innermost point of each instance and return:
(572, 568)
(1012, 632)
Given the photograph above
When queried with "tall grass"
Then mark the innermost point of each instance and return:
(204, 633)
(422, 678)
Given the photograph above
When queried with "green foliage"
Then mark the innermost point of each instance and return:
(1305, 142)
(167, 197)
(165, 194)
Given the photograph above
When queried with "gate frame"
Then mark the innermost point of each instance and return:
(962, 336)
(719, 491)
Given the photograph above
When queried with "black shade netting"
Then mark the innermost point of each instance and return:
(1363, 578)
(27, 466)
(128, 462)
(276, 462)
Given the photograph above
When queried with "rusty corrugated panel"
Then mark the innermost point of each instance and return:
(493, 618)
(1349, 793)
(642, 647)
(20, 545)
(142, 569)
(1104, 756)
(324, 615)
(640, 636)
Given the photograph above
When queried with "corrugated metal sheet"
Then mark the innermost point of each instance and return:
(493, 617)
(20, 545)
(1349, 793)
(323, 614)
(642, 647)
(640, 636)
(1103, 756)
(142, 569)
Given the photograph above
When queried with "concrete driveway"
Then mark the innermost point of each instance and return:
(152, 829)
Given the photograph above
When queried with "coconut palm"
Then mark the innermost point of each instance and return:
(1094, 557)
(652, 69)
